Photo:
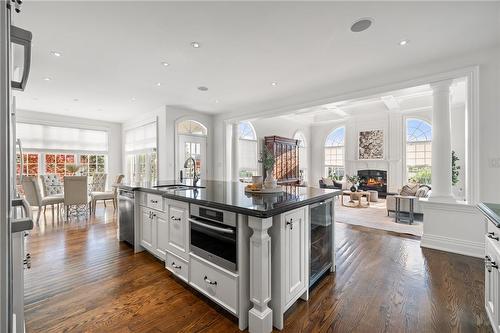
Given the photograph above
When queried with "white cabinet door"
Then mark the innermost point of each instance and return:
(491, 281)
(295, 252)
(146, 229)
(161, 234)
(178, 230)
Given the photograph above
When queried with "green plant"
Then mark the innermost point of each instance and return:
(422, 176)
(352, 179)
(454, 168)
(267, 159)
(72, 168)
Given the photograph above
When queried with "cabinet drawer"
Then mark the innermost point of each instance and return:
(177, 266)
(154, 201)
(216, 283)
(493, 233)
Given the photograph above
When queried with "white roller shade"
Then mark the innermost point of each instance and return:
(36, 136)
(248, 158)
(141, 138)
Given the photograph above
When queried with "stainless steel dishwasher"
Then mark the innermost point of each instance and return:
(126, 218)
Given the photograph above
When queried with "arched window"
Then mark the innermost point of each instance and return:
(191, 127)
(334, 154)
(418, 151)
(247, 151)
(302, 155)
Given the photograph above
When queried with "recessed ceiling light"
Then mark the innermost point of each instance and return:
(55, 53)
(158, 84)
(202, 88)
(403, 42)
(75, 99)
(217, 101)
(274, 84)
(195, 45)
(47, 78)
(164, 63)
(362, 24)
(133, 99)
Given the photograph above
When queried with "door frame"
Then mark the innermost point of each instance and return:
(178, 163)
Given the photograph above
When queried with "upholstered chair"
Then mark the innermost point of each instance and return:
(33, 195)
(51, 185)
(99, 182)
(107, 195)
(76, 195)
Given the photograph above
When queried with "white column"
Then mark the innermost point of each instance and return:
(441, 142)
(260, 316)
(235, 133)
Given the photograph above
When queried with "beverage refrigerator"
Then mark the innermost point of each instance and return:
(15, 213)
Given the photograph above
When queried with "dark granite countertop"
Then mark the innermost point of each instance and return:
(492, 211)
(231, 196)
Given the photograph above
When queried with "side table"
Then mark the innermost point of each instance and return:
(411, 214)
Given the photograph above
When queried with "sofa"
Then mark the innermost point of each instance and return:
(332, 184)
(417, 190)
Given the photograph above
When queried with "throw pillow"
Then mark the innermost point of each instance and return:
(327, 181)
(422, 192)
(409, 190)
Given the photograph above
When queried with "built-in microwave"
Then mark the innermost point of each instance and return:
(214, 236)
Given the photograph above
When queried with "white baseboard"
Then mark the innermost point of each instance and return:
(459, 246)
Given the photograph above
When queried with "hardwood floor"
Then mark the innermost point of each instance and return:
(83, 280)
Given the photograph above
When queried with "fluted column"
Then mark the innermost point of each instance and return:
(235, 174)
(441, 142)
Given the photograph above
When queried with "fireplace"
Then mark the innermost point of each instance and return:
(375, 180)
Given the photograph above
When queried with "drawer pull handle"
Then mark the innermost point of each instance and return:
(213, 283)
(176, 266)
(290, 223)
(154, 201)
(494, 265)
(175, 218)
(493, 237)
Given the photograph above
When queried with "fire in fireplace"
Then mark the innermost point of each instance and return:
(373, 180)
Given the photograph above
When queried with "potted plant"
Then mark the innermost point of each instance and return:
(268, 160)
(354, 180)
(72, 168)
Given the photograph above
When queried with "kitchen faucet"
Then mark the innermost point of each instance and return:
(195, 176)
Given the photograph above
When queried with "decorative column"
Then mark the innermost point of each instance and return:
(441, 142)
(260, 316)
(235, 169)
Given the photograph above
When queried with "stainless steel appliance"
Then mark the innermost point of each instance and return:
(321, 239)
(15, 57)
(214, 236)
(126, 201)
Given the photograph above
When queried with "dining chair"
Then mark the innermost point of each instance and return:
(76, 195)
(33, 195)
(51, 185)
(107, 195)
(99, 182)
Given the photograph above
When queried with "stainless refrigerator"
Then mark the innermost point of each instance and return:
(15, 214)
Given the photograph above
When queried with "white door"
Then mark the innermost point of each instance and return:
(178, 232)
(295, 252)
(195, 147)
(146, 229)
(161, 234)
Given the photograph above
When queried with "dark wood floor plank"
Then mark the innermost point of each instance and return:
(84, 280)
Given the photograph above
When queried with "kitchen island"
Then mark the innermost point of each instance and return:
(261, 228)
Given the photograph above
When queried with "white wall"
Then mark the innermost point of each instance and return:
(488, 61)
(167, 118)
(114, 133)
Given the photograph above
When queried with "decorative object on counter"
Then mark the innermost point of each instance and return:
(371, 145)
(72, 168)
(252, 188)
(268, 160)
(257, 181)
(354, 180)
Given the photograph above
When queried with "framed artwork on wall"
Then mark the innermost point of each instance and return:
(371, 145)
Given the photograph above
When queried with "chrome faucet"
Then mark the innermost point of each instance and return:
(195, 176)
